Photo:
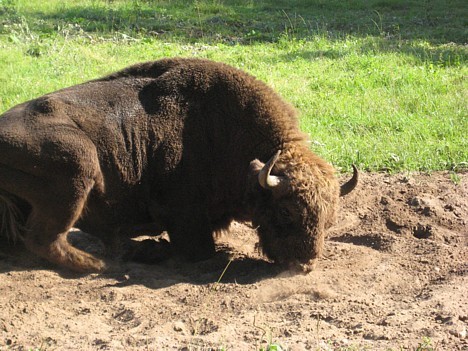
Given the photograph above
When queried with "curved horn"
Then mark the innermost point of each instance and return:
(266, 180)
(350, 184)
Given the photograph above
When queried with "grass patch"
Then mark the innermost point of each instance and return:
(378, 83)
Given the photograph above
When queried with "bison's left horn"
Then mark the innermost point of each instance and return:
(268, 181)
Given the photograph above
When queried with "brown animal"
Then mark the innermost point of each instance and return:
(176, 143)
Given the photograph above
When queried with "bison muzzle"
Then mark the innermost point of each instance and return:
(179, 145)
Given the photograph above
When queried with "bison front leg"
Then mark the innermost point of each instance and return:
(193, 237)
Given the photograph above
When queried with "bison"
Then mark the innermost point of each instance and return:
(177, 145)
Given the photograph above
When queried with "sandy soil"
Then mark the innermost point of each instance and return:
(394, 272)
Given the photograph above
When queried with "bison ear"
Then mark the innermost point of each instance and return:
(255, 167)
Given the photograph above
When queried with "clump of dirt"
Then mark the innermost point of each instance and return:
(394, 275)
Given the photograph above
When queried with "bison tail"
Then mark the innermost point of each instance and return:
(350, 184)
(11, 219)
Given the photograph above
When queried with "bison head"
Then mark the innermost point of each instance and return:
(294, 201)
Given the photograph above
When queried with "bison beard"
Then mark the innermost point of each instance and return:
(172, 145)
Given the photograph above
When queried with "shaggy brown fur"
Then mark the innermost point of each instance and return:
(169, 143)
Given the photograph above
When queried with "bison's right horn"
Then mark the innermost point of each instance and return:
(268, 181)
(350, 184)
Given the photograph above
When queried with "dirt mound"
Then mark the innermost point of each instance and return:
(394, 275)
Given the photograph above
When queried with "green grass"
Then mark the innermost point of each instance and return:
(379, 83)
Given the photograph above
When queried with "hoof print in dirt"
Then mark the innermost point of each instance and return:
(423, 231)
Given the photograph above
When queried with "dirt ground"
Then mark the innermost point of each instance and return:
(394, 276)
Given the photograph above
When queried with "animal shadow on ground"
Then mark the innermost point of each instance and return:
(222, 267)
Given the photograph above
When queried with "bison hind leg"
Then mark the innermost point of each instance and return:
(55, 185)
(48, 227)
(67, 255)
(86, 242)
(57, 249)
(48, 218)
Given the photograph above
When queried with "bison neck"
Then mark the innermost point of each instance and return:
(202, 151)
(204, 173)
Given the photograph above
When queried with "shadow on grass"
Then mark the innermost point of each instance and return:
(245, 22)
(446, 55)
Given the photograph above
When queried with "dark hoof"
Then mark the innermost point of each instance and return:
(149, 251)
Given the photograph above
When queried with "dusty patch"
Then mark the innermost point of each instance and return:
(394, 272)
